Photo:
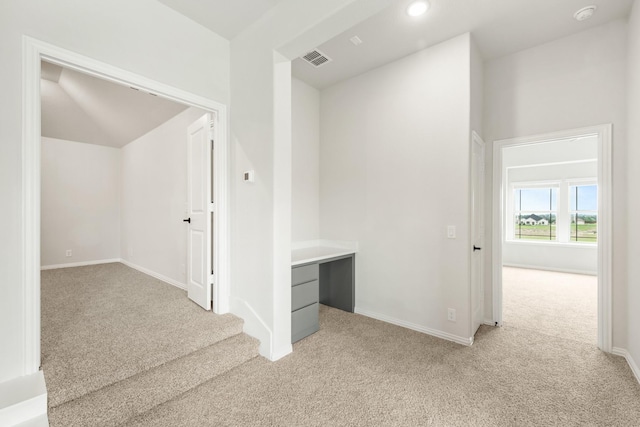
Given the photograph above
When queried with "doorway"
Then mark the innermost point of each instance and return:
(552, 212)
(35, 52)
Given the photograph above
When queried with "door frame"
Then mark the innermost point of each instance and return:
(605, 236)
(476, 139)
(34, 51)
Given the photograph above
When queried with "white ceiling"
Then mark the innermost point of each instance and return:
(82, 108)
(224, 17)
(78, 107)
(500, 27)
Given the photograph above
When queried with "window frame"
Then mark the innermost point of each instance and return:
(510, 235)
(563, 211)
(577, 183)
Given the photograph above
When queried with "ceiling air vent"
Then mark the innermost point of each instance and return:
(316, 58)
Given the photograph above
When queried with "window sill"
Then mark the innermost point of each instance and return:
(552, 244)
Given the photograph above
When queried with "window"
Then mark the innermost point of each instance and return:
(535, 213)
(583, 202)
(563, 211)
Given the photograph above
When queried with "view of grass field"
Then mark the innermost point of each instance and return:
(535, 232)
(586, 232)
(536, 214)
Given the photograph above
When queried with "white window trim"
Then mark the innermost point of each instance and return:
(562, 212)
(578, 182)
(510, 235)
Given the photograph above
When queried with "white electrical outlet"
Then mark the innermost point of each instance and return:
(68, 253)
(451, 232)
(451, 314)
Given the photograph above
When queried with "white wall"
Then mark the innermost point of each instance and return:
(261, 141)
(569, 83)
(633, 297)
(149, 39)
(394, 173)
(305, 162)
(154, 198)
(80, 202)
(477, 90)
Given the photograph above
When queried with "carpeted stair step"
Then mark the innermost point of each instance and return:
(116, 403)
(132, 351)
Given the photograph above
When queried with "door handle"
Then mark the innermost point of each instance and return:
(187, 220)
(475, 248)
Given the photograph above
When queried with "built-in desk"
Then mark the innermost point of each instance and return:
(319, 275)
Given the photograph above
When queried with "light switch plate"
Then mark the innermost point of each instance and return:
(451, 232)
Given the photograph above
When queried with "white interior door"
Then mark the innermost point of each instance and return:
(477, 232)
(199, 211)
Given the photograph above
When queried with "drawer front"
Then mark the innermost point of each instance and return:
(304, 274)
(304, 295)
(304, 322)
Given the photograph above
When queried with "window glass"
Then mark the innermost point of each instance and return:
(537, 199)
(583, 197)
(583, 204)
(535, 213)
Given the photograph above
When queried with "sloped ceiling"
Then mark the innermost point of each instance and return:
(78, 107)
(226, 18)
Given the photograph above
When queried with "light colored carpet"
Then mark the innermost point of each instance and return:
(358, 371)
(116, 403)
(355, 371)
(557, 304)
(105, 323)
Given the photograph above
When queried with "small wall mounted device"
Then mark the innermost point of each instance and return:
(248, 176)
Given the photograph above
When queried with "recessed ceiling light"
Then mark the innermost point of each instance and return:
(417, 8)
(585, 13)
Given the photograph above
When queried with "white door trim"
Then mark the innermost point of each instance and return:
(605, 210)
(33, 52)
(475, 139)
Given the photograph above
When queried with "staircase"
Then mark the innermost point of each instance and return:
(116, 403)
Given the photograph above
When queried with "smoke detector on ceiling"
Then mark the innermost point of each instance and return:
(316, 58)
(585, 13)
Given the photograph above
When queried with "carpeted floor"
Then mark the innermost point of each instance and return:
(104, 323)
(557, 304)
(359, 371)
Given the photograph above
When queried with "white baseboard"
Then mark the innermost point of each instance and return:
(632, 364)
(80, 264)
(254, 326)
(23, 400)
(559, 270)
(489, 322)
(415, 327)
(40, 421)
(154, 274)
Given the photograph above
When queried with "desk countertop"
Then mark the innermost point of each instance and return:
(317, 253)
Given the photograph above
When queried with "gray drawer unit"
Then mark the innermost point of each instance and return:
(304, 295)
(303, 274)
(304, 322)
